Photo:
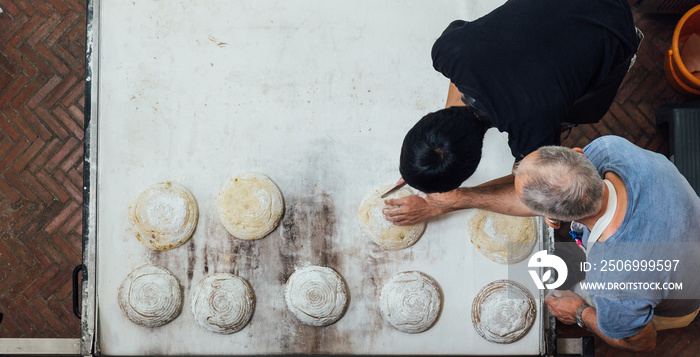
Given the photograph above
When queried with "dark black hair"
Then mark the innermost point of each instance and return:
(442, 150)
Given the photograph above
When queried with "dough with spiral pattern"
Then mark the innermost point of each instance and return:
(250, 206)
(381, 231)
(410, 301)
(503, 311)
(223, 303)
(316, 295)
(164, 216)
(150, 296)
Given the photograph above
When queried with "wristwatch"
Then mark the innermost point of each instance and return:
(579, 312)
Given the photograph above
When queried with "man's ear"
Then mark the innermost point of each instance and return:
(552, 223)
(578, 150)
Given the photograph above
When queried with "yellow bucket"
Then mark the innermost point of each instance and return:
(677, 74)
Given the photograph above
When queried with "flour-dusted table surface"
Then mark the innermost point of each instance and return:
(317, 95)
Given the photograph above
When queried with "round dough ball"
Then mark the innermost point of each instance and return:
(150, 296)
(503, 311)
(223, 303)
(250, 206)
(164, 216)
(381, 231)
(502, 238)
(410, 301)
(316, 295)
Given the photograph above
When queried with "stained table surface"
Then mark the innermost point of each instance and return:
(317, 95)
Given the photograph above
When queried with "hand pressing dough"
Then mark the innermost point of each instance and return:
(250, 206)
(164, 216)
(150, 296)
(316, 295)
(410, 301)
(502, 238)
(381, 231)
(223, 303)
(503, 311)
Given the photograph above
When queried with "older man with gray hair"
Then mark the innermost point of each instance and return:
(635, 206)
(621, 194)
(560, 182)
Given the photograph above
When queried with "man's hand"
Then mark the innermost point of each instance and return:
(563, 304)
(410, 210)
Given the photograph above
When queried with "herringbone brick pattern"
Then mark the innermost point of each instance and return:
(41, 131)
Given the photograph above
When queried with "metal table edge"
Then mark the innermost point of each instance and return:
(88, 321)
(550, 335)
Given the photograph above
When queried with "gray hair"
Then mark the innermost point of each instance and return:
(560, 183)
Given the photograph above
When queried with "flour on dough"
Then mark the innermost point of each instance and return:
(381, 231)
(410, 302)
(223, 303)
(502, 238)
(316, 295)
(250, 206)
(150, 296)
(163, 216)
(503, 311)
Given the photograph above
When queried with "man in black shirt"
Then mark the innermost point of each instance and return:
(529, 68)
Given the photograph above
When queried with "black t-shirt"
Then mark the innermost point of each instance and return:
(527, 61)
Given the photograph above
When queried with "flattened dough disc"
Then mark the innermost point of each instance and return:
(502, 238)
(381, 231)
(164, 216)
(250, 206)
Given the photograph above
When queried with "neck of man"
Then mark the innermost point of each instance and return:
(620, 209)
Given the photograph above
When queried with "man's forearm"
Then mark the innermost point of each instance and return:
(497, 195)
(499, 198)
(501, 180)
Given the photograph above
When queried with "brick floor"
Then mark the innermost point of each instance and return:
(41, 121)
(41, 131)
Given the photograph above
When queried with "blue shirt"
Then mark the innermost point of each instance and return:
(662, 222)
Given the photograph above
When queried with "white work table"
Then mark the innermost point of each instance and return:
(318, 95)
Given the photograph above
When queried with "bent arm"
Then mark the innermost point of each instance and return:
(643, 341)
(564, 304)
(496, 195)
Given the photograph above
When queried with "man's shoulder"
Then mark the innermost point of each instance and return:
(610, 142)
(609, 149)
